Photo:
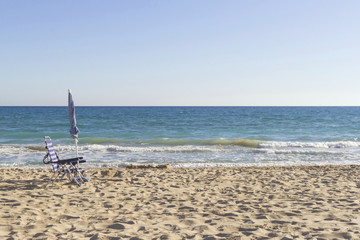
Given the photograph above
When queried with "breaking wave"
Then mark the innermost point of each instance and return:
(181, 145)
(216, 152)
(175, 142)
(339, 144)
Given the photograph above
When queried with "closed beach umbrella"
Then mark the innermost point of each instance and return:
(74, 131)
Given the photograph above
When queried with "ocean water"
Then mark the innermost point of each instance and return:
(184, 136)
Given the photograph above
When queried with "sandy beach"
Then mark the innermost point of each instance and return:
(211, 203)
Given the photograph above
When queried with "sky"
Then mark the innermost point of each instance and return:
(180, 52)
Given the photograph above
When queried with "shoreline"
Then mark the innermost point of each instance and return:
(303, 202)
(89, 166)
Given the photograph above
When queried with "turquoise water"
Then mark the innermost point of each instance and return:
(184, 136)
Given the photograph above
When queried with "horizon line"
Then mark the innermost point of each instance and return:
(182, 106)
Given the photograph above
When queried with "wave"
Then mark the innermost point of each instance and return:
(217, 152)
(113, 144)
(241, 142)
(92, 140)
(17, 150)
(36, 148)
(175, 142)
(338, 144)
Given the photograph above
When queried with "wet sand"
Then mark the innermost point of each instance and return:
(203, 203)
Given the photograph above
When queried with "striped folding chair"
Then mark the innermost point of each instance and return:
(65, 167)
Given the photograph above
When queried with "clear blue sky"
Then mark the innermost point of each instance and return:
(184, 52)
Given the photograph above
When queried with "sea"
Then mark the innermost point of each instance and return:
(183, 136)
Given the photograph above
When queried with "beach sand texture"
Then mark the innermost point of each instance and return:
(203, 203)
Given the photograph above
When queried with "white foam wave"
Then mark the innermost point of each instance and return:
(23, 150)
(294, 151)
(267, 154)
(141, 149)
(278, 145)
(262, 164)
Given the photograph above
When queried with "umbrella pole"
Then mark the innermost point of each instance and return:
(76, 150)
(76, 147)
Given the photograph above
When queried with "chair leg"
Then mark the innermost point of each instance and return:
(53, 178)
(73, 175)
(77, 180)
(64, 172)
(83, 176)
(78, 176)
(81, 173)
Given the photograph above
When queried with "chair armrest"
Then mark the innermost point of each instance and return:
(70, 160)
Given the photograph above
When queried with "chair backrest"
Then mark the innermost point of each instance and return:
(51, 152)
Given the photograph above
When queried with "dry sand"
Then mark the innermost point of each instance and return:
(216, 203)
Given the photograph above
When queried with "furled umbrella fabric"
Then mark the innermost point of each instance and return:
(74, 131)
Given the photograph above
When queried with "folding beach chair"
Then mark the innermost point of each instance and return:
(69, 167)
